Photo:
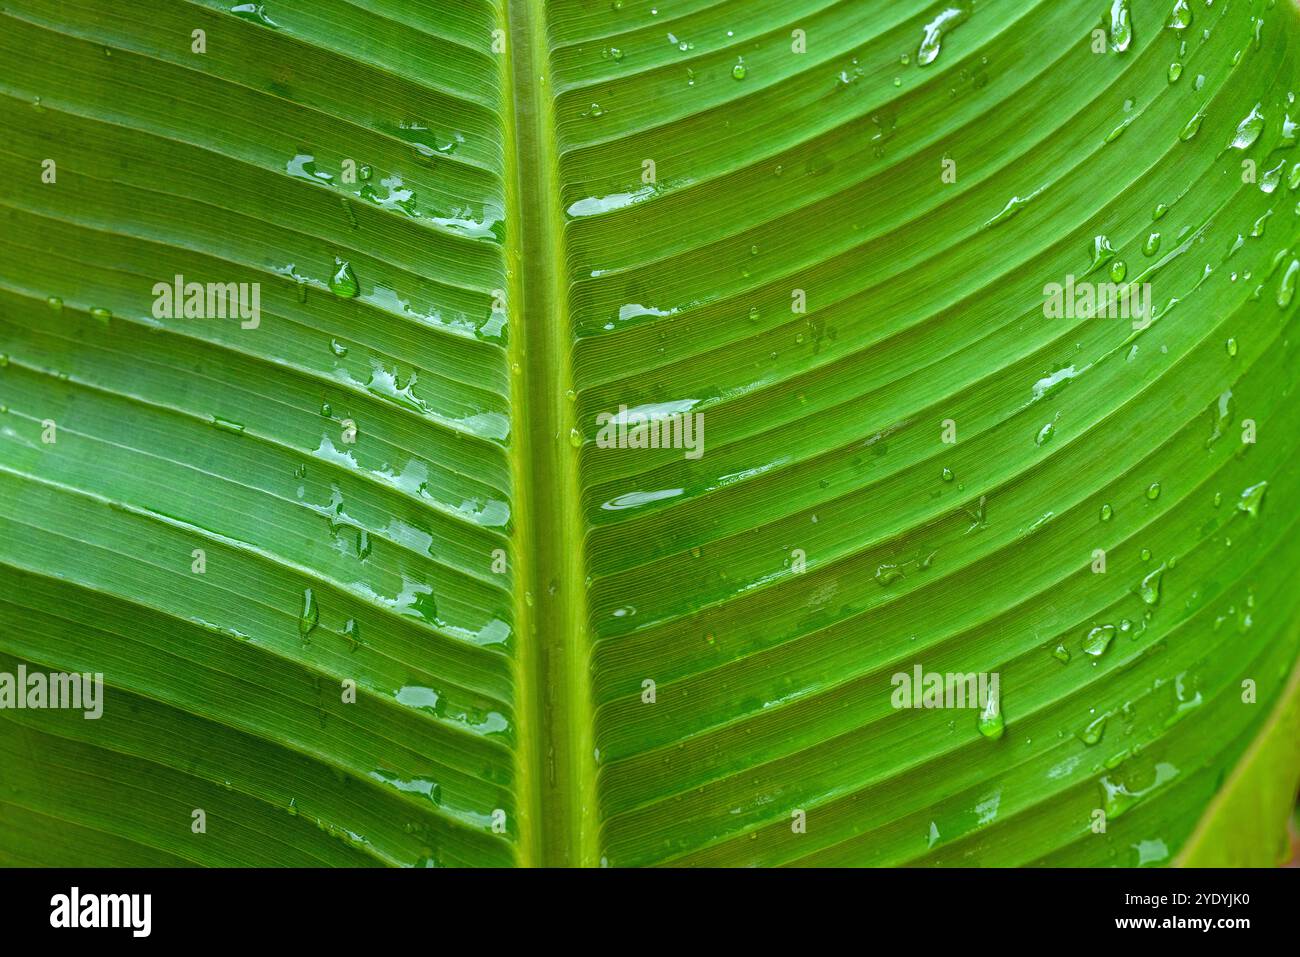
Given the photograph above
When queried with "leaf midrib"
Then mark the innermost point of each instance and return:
(556, 782)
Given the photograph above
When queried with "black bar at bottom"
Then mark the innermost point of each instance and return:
(391, 907)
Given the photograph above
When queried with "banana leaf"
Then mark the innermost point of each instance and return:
(578, 433)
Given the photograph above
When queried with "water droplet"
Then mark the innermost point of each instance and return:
(1119, 797)
(1102, 251)
(1061, 653)
(1149, 588)
(1094, 729)
(1153, 491)
(932, 41)
(1286, 287)
(1271, 178)
(613, 53)
(100, 314)
(1118, 270)
(947, 475)
(1121, 26)
(1098, 640)
(1251, 499)
(55, 303)
(343, 283)
(990, 722)
(254, 13)
(1152, 245)
(310, 614)
(352, 632)
(1106, 512)
(1181, 17)
(1232, 347)
(338, 348)
(1220, 418)
(1014, 205)
(887, 574)
(1192, 128)
(1175, 71)
(738, 71)
(575, 438)
(1248, 130)
(303, 166)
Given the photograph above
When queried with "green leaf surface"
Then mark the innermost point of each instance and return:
(826, 230)
(1240, 828)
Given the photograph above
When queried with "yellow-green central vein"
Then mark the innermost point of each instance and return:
(556, 762)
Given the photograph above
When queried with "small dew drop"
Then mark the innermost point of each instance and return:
(310, 614)
(990, 722)
(1192, 127)
(1251, 499)
(1286, 287)
(1121, 26)
(1098, 640)
(1181, 17)
(344, 282)
(1149, 589)
(1248, 129)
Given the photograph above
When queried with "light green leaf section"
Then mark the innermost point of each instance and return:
(824, 230)
(1245, 825)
